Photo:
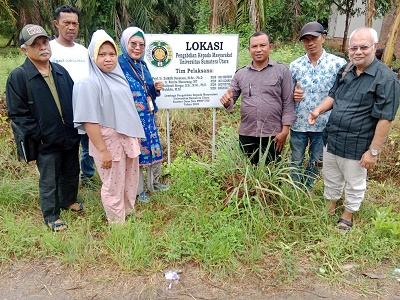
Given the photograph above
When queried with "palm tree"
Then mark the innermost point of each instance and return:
(20, 13)
(7, 16)
(224, 12)
(7, 11)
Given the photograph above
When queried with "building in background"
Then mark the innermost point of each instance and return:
(381, 25)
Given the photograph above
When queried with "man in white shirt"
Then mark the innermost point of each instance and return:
(74, 57)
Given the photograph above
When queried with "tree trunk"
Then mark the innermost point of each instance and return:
(349, 7)
(214, 22)
(296, 8)
(392, 37)
(257, 16)
(370, 12)
(253, 14)
(9, 43)
(332, 21)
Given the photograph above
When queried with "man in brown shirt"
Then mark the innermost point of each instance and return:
(267, 108)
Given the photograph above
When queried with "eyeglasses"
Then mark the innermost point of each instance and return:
(362, 48)
(134, 45)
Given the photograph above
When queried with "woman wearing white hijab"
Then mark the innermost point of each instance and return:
(144, 90)
(103, 108)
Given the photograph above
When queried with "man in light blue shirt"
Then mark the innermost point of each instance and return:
(313, 75)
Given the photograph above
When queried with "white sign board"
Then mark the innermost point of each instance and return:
(196, 69)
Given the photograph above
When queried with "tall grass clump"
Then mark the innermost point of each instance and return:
(388, 166)
(13, 168)
(130, 248)
(263, 192)
(387, 223)
(195, 227)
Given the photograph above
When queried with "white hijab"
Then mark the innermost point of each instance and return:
(105, 98)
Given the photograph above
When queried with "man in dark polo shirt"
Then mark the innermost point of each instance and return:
(267, 108)
(364, 101)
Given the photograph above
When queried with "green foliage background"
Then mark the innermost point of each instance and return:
(282, 18)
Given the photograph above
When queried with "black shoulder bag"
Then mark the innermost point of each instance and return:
(27, 147)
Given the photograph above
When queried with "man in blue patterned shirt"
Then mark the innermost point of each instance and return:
(313, 75)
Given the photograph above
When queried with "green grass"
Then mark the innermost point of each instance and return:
(282, 53)
(226, 216)
(10, 58)
(3, 41)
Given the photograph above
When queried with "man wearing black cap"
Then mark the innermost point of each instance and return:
(39, 102)
(313, 75)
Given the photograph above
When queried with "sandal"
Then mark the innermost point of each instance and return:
(57, 227)
(344, 221)
(80, 204)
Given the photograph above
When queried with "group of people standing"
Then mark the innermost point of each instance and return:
(340, 112)
(65, 94)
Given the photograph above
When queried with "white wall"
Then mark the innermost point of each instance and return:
(336, 29)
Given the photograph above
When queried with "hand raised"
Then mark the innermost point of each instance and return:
(227, 98)
(158, 85)
(312, 117)
(298, 92)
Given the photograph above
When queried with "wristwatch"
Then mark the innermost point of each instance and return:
(373, 152)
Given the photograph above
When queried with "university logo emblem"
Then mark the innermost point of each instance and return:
(159, 54)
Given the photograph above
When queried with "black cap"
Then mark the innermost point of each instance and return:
(312, 28)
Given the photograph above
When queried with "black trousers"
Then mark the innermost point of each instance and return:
(58, 181)
(251, 147)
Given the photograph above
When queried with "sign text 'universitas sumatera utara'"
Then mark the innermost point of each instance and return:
(196, 69)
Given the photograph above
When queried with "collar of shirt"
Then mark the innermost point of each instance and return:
(270, 63)
(370, 70)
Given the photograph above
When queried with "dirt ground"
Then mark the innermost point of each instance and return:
(45, 279)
